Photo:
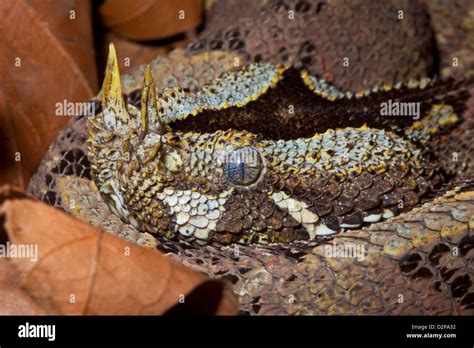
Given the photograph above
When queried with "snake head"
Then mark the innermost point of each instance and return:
(264, 155)
(166, 182)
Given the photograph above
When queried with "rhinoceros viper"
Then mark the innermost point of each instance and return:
(239, 159)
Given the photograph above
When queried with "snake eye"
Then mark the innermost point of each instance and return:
(243, 166)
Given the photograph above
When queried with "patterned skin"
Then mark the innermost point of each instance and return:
(408, 265)
(236, 186)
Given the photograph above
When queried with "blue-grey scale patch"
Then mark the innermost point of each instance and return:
(324, 89)
(439, 116)
(234, 88)
(344, 149)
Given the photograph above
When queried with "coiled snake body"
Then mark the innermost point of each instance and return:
(296, 189)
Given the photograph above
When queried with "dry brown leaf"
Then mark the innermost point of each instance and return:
(150, 19)
(134, 53)
(102, 273)
(13, 300)
(47, 57)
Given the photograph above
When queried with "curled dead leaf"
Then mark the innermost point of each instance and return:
(47, 57)
(13, 300)
(150, 19)
(83, 270)
(134, 53)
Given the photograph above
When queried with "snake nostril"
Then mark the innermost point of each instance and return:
(243, 166)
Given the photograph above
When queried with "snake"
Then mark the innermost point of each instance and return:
(258, 156)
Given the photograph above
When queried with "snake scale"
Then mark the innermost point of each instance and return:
(257, 156)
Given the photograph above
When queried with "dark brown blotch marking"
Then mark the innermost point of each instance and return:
(466, 244)
(409, 262)
(73, 162)
(437, 252)
(52, 198)
(447, 273)
(468, 301)
(461, 285)
(422, 272)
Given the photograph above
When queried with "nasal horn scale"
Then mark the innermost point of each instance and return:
(113, 104)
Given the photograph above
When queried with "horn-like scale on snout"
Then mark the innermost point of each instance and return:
(113, 104)
(150, 117)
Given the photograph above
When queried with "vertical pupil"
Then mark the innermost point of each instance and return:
(243, 166)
